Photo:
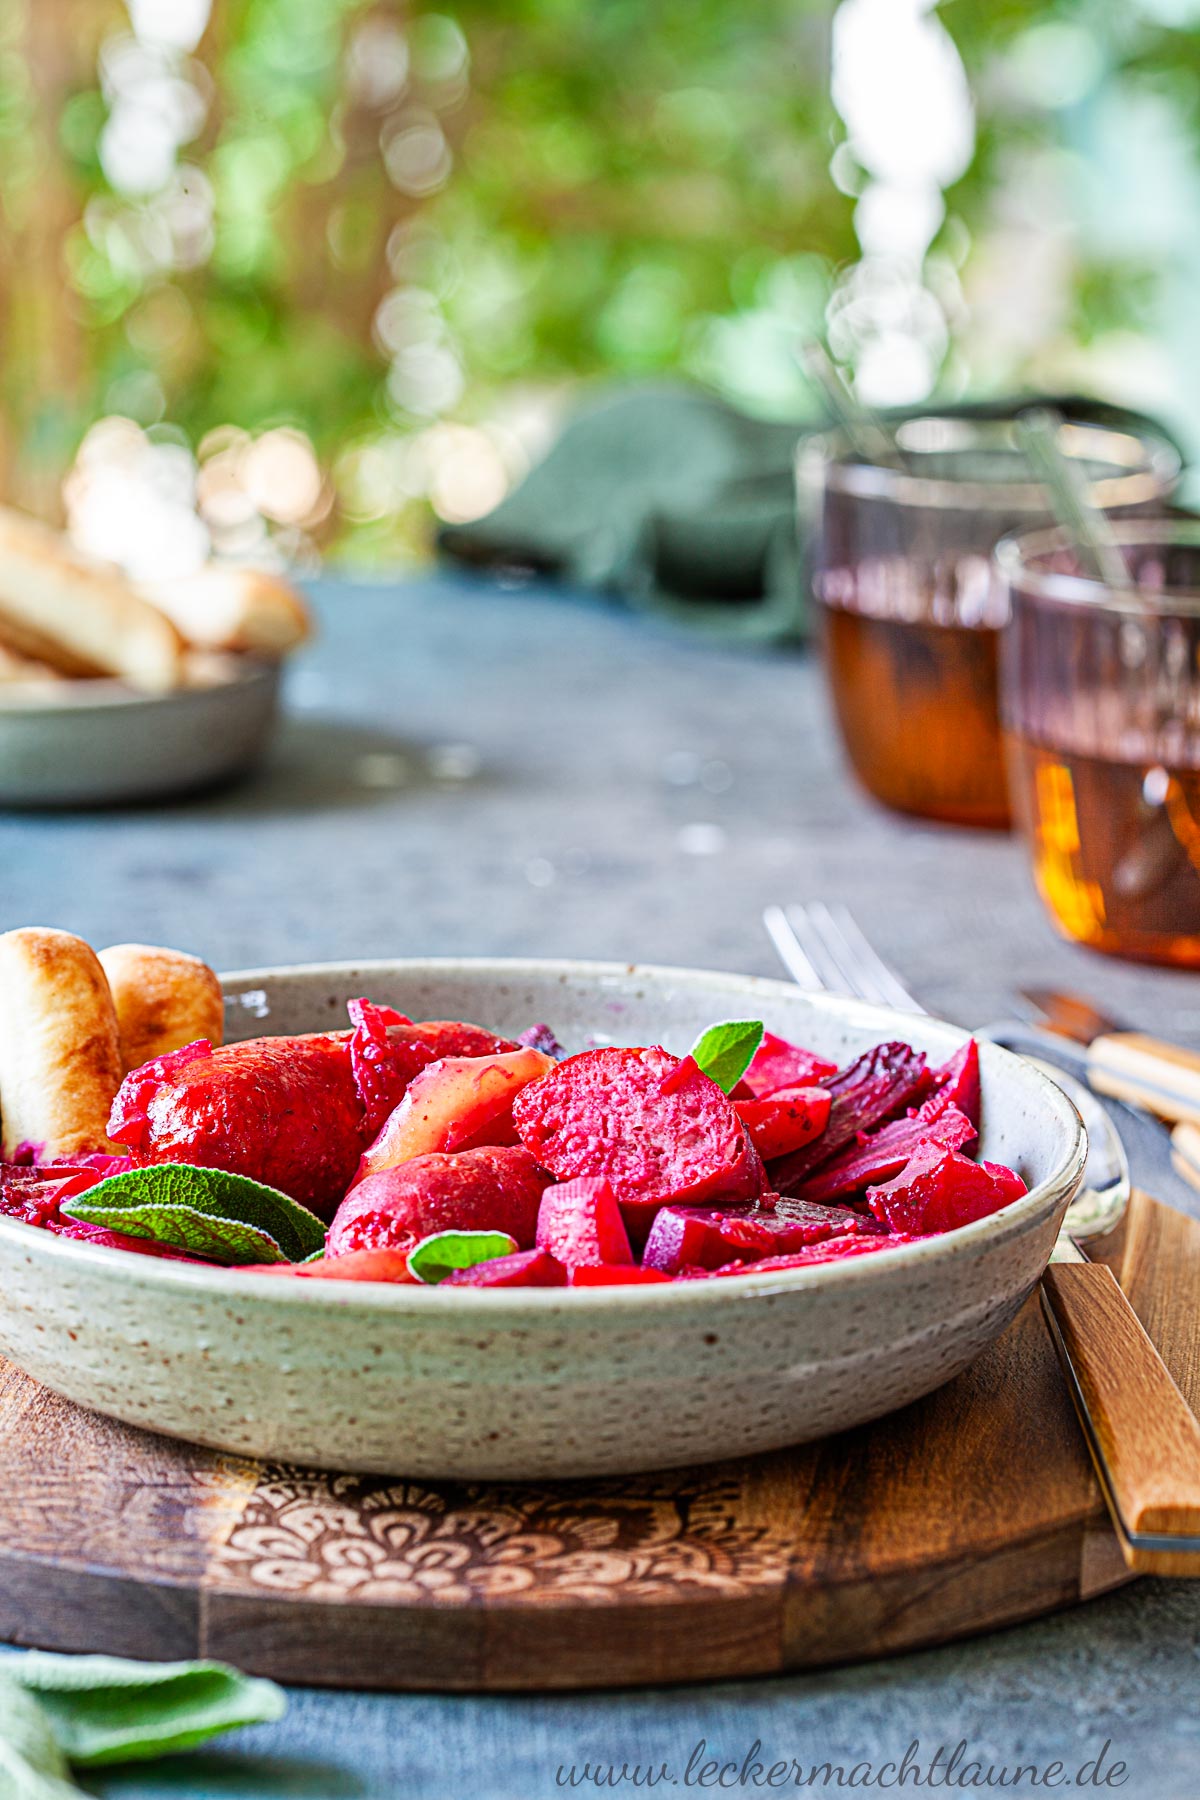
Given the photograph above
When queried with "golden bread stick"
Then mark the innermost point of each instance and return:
(25, 681)
(222, 607)
(60, 1054)
(163, 998)
(80, 616)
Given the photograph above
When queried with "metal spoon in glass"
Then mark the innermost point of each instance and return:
(868, 435)
(1038, 433)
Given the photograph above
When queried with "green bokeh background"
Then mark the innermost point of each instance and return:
(630, 189)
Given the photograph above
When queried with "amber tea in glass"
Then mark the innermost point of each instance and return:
(909, 605)
(1101, 705)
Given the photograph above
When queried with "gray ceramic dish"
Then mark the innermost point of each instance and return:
(100, 744)
(550, 1382)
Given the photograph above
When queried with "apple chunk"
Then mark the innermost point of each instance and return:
(453, 1104)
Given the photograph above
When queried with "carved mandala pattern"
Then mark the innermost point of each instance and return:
(380, 1541)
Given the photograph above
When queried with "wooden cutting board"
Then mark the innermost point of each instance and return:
(972, 1509)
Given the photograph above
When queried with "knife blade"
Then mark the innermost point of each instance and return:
(1073, 1015)
(1134, 1066)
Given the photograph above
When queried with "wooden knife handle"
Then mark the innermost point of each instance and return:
(1161, 1078)
(1185, 1152)
(1144, 1437)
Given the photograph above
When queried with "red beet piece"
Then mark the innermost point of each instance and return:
(580, 1224)
(706, 1238)
(958, 1081)
(387, 1050)
(492, 1189)
(357, 1265)
(786, 1120)
(604, 1113)
(524, 1268)
(281, 1110)
(69, 1180)
(372, 1061)
(938, 1190)
(834, 1249)
(883, 1153)
(867, 1092)
(680, 1074)
(613, 1275)
(34, 1193)
(777, 1064)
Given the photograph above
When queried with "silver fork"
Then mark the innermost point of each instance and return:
(1135, 1420)
(822, 947)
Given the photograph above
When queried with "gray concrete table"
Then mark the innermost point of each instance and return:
(467, 769)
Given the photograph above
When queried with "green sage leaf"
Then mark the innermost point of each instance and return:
(32, 1763)
(725, 1052)
(437, 1256)
(183, 1228)
(208, 1212)
(104, 1709)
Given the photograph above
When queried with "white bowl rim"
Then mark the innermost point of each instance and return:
(109, 698)
(431, 1302)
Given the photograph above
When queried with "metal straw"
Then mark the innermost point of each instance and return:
(1066, 484)
(868, 435)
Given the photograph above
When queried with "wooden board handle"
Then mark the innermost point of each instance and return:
(1144, 1436)
(1162, 1078)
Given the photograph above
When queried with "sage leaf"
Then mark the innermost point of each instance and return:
(105, 1709)
(208, 1212)
(32, 1763)
(183, 1228)
(439, 1255)
(725, 1052)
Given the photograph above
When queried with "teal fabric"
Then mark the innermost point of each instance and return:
(683, 506)
(58, 1713)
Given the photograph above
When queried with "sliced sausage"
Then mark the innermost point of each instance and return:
(494, 1189)
(281, 1110)
(620, 1115)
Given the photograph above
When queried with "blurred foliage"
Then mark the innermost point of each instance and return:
(398, 230)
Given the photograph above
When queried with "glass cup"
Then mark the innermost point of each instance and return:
(1100, 698)
(909, 605)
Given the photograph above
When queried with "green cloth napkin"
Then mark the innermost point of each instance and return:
(682, 505)
(60, 1712)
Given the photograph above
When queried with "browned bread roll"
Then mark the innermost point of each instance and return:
(163, 999)
(60, 1056)
(80, 616)
(226, 608)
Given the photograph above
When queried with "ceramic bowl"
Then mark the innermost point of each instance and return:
(551, 1382)
(98, 743)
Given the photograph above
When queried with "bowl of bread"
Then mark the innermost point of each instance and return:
(113, 691)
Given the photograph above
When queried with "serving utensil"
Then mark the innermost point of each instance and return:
(1143, 1437)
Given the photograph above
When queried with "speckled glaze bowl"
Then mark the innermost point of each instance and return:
(547, 1382)
(98, 743)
